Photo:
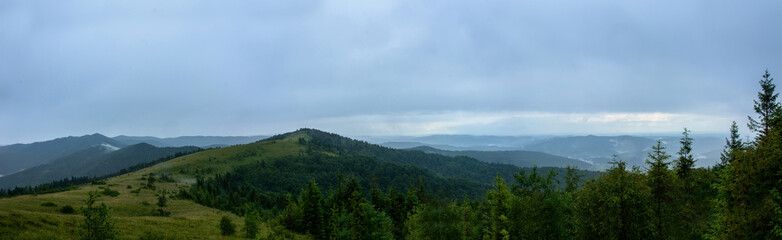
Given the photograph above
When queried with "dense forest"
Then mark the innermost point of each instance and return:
(666, 199)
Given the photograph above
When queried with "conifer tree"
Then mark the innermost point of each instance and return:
(732, 144)
(162, 202)
(613, 206)
(660, 183)
(686, 161)
(497, 222)
(313, 210)
(766, 106)
(97, 224)
(251, 220)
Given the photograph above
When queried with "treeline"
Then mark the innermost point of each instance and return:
(265, 184)
(66, 184)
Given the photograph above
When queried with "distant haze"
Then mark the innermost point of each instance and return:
(364, 68)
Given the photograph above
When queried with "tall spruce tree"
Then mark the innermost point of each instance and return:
(766, 106)
(661, 185)
(496, 225)
(686, 161)
(313, 210)
(732, 144)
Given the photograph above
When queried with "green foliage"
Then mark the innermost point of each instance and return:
(434, 221)
(108, 192)
(732, 144)
(767, 108)
(48, 204)
(538, 207)
(162, 202)
(572, 179)
(614, 206)
(251, 221)
(97, 221)
(660, 182)
(313, 210)
(497, 224)
(227, 228)
(686, 161)
(67, 209)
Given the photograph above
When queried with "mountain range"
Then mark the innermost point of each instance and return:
(93, 161)
(17, 157)
(595, 150)
(198, 141)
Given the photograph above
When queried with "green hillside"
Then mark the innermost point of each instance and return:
(23, 217)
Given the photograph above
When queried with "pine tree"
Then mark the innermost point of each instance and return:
(732, 145)
(378, 198)
(313, 210)
(97, 224)
(497, 222)
(251, 220)
(686, 161)
(766, 106)
(660, 183)
(162, 202)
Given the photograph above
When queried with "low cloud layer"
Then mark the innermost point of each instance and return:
(371, 68)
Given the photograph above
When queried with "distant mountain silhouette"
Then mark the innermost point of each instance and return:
(518, 158)
(198, 141)
(94, 161)
(16, 157)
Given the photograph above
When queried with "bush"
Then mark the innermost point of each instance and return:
(129, 187)
(227, 228)
(67, 209)
(108, 192)
(48, 204)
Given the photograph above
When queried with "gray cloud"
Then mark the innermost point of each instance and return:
(252, 67)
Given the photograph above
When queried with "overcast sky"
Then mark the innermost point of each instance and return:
(171, 68)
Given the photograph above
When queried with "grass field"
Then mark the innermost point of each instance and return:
(27, 217)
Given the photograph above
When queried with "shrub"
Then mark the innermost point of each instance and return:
(48, 204)
(227, 228)
(67, 209)
(108, 192)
